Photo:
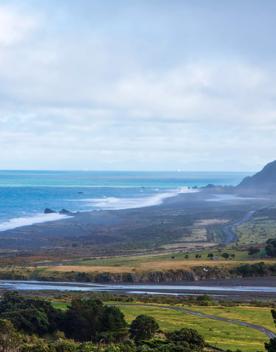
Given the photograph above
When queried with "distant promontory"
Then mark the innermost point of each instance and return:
(263, 182)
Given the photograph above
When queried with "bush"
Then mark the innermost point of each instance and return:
(65, 346)
(270, 248)
(163, 346)
(40, 346)
(189, 337)
(10, 339)
(256, 269)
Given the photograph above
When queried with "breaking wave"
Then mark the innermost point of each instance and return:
(114, 203)
(30, 220)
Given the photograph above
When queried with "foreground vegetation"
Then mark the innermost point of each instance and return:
(33, 325)
(76, 322)
(220, 334)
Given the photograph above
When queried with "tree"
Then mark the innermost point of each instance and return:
(210, 255)
(114, 325)
(273, 313)
(204, 299)
(143, 327)
(90, 320)
(113, 319)
(10, 339)
(270, 247)
(225, 255)
(33, 316)
(187, 337)
(83, 319)
(271, 345)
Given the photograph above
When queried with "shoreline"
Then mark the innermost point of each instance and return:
(126, 204)
(106, 228)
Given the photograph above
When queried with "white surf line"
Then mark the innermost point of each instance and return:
(116, 203)
(30, 220)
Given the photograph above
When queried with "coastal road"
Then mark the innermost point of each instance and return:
(229, 229)
(270, 334)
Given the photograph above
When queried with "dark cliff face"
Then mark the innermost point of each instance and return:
(263, 182)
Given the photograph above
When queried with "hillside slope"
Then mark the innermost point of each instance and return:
(263, 182)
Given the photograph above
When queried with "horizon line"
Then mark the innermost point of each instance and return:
(126, 170)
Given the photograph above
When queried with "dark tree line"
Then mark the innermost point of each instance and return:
(90, 320)
(85, 320)
(30, 315)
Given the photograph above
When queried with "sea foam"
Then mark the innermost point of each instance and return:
(30, 220)
(114, 203)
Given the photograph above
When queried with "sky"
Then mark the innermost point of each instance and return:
(137, 84)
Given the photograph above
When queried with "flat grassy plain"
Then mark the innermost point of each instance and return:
(258, 230)
(171, 261)
(217, 333)
(255, 315)
(173, 266)
(173, 256)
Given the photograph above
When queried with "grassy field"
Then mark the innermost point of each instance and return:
(168, 257)
(143, 263)
(60, 305)
(219, 334)
(255, 315)
(258, 230)
(135, 267)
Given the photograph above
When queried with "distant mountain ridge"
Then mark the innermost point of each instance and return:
(263, 182)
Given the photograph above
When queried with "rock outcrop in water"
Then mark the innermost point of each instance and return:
(65, 212)
(61, 212)
(49, 211)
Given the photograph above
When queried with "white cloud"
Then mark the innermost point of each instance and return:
(84, 97)
(218, 91)
(15, 25)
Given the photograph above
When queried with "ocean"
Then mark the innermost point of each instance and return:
(25, 194)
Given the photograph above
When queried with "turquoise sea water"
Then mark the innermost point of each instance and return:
(25, 194)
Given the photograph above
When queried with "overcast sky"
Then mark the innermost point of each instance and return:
(137, 85)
